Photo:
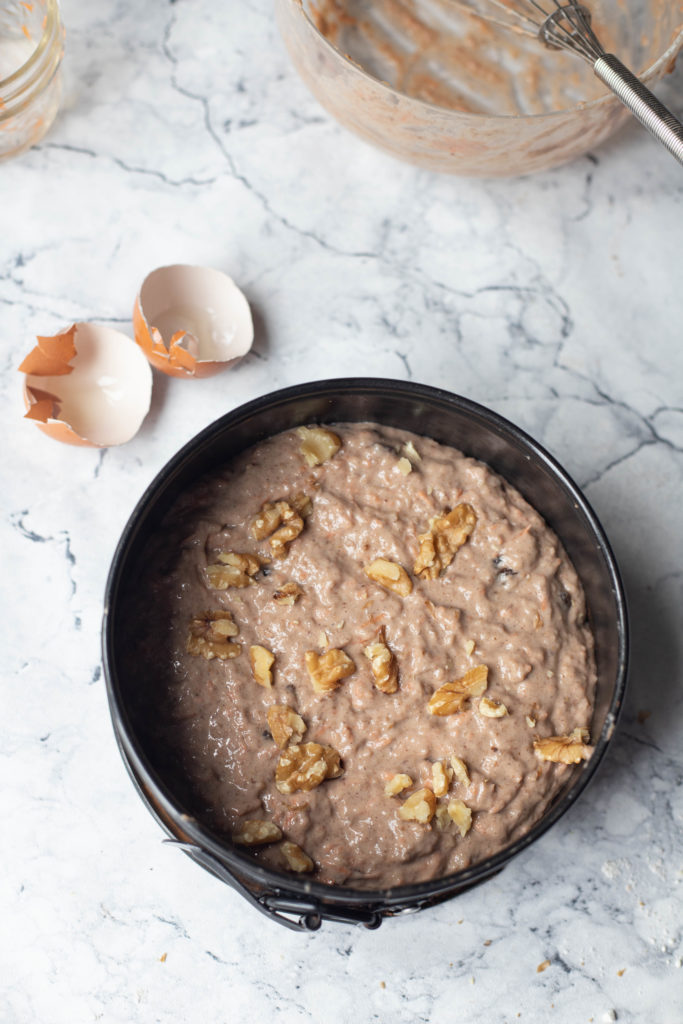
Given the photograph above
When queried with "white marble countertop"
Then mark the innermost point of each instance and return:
(185, 136)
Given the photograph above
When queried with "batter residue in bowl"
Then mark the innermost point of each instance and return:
(362, 654)
(435, 50)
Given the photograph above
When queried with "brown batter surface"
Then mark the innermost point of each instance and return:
(510, 602)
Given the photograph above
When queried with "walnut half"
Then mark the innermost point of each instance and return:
(261, 664)
(452, 697)
(281, 521)
(383, 664)
(442, 774)
(327, 670)
(232, 570)
(461, 815)
(390, 575)
(420, 806)
(454, 813)
(318, 444)
(209, 636)
(285, 725)
(296, 859)
(564, 749)
(439, 543)
(288, 593)
(255, 833)
(492, 708)
(397, 783)
(304, 766)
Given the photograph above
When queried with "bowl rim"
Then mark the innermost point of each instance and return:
(670, 54)
(147, 779)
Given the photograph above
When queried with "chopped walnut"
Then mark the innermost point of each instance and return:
(439, 544)
(389, 575)
(420, 806)
(302, 503)
(442, 818)
(285, 725)
(396, 784)
(452, 697)
(305, 765)
(255, 833)
(233, 570)
(469, 647)
(296, 859)
(279, 521)
(441, 778)
(461, 815)
(492, 708)
(460, 770)
(318, 444)
(565, 749)
(404, 466)
(383, 664)
(293, 525)
(531, 722)
(261, 664)
(327, 670)
(208, 636)
(288, 593)
(411, 452)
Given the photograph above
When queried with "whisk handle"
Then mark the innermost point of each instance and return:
(652, 114)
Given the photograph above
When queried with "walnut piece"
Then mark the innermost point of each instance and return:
(396, 784)
(461, 815)
(318, 444)
(233, 570)
(327, 670)
(564, 749)
(389, 575)
(460, 770)
(441, 778)
(285, 725)
(411, 452)
(445, 535)
(304, 766)
(383, 664)
(469, 647)
(420, 806)
(261, 664)
(492, 708)
(209, 636)
(288, 593)
(296, 859)
(255, 833)
(442, 818)
(452, 697)
(281, 521)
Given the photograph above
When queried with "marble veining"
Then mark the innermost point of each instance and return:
(185, 136)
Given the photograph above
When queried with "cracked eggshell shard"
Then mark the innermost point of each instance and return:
(192, 321)
(87, 385)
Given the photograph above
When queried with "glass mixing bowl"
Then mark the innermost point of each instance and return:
(440, 88)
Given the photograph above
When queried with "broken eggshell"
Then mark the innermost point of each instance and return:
(192, 321)
(87, 385)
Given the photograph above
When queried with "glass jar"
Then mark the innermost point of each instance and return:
(31, 48)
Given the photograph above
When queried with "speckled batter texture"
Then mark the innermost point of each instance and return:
(510, 597)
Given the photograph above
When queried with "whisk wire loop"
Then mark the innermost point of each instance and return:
(566, 25)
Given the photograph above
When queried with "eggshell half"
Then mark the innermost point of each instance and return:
(87, 385)
(192, 321)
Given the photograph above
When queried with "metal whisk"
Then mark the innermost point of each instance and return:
(567, 26)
